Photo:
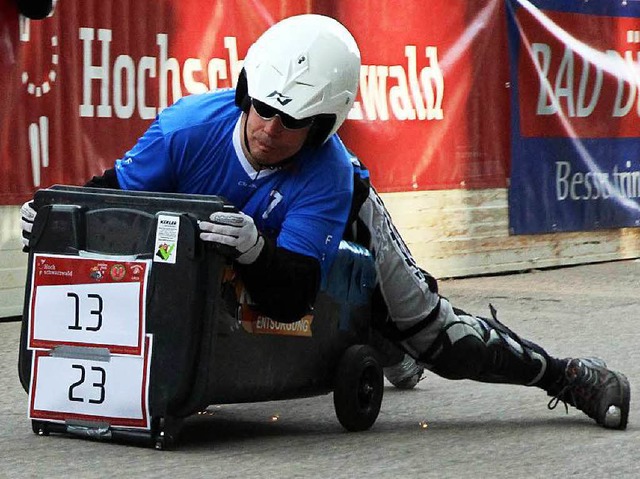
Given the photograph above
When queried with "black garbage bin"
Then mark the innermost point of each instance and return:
(98, 257)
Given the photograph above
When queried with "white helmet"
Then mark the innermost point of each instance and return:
(305, 66)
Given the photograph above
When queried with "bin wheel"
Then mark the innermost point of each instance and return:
(164, 441)
(39, 428)
(359, 385)
(166, 432)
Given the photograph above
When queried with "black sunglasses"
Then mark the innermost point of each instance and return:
(267, 112)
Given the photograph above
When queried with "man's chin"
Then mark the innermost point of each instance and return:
(268, 160)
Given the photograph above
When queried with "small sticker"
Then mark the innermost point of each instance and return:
(118, 272)
(167, 239)
(259, 324)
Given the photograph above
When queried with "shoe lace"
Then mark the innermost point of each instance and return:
(555, 400)
(578, 390)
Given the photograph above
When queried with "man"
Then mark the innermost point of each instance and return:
(271, 148)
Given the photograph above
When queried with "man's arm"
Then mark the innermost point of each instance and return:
(283, 284)
(108, 179)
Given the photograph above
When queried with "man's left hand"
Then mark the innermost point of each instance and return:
(236, 230)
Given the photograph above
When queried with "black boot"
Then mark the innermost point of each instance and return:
(600, 393)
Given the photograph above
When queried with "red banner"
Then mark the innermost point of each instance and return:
(433, 93)
(82, 85)
(591, 78)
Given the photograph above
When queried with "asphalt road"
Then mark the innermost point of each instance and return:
(441, 429)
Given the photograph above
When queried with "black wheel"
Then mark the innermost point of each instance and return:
(164, 441)
(39, 428)
(165, 433)
(359, 385)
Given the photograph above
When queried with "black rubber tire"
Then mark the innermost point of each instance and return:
(39, 428)
(359, 386)
(166, 432)
(164, 442)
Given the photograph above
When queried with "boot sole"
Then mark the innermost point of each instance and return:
(624, 391)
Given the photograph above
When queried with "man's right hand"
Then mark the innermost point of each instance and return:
(28, 215)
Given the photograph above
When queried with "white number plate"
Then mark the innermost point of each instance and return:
(113, 391)
(90, 302)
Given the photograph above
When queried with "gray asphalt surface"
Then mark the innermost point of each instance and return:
(441, 429)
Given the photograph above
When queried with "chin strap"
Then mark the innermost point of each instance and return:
(245, 136)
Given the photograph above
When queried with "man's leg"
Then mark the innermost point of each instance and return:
(457, 345)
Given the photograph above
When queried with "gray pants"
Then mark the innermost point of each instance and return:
(448, 341)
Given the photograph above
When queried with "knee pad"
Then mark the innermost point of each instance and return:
(484, 350)
(464, 359)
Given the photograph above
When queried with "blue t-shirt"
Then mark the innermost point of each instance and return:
(194, 147)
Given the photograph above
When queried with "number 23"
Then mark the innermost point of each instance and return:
(97, 385)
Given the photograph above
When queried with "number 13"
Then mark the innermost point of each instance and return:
(94, 312)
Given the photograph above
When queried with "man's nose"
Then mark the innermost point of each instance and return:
(274, 126)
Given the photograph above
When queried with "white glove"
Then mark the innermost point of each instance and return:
(236, 230)
(28, 215)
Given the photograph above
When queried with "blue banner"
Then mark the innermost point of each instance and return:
(575, 115)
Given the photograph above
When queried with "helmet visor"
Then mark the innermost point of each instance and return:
(267, 112)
